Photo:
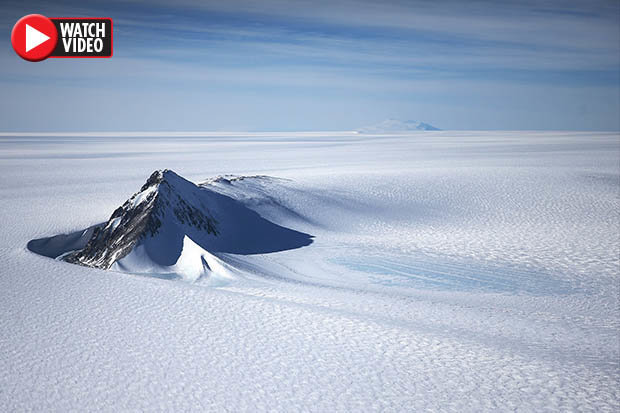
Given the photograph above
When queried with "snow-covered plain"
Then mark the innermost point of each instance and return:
(452, 271)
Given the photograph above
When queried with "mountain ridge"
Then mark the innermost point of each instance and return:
(174, 226)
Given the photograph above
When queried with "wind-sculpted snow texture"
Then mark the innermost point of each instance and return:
(443, 271)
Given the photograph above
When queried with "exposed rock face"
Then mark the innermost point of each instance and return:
(165, 196)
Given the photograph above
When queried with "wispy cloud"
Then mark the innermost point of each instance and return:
(358, 53)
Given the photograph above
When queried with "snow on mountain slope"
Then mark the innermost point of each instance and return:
(397, 126)
(193, 264)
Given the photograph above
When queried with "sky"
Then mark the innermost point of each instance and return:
(276, 65)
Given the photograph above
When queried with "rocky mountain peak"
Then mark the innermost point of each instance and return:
(164, 198)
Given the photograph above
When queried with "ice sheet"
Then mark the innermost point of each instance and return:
(458, 271)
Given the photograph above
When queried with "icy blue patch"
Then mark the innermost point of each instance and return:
(455, 276)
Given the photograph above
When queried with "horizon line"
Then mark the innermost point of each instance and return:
(241, 132)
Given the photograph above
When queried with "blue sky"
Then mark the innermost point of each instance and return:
(323, 65)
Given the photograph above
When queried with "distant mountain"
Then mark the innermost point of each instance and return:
(396, 126)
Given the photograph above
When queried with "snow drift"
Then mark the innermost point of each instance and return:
(172, 228)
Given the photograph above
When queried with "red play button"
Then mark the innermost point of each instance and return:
(34, 37)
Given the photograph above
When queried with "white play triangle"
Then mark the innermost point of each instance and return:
(34, 38)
